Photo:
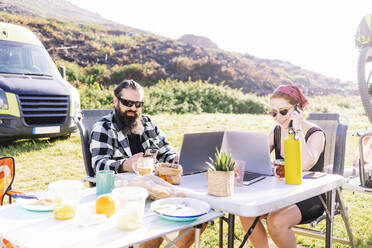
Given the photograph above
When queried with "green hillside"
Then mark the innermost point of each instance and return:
(107, 54)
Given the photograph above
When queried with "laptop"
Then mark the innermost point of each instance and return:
(253, 149)
(250, 147)
(196, 150)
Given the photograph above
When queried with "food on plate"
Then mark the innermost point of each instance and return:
(42, 202)
(157, 187)
(173, 209)
(105, 205)
(169, 172)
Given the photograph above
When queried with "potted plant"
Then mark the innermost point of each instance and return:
(221, 175)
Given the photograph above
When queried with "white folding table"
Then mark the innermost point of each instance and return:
(40, 229)
(265, 196)
(354, 184)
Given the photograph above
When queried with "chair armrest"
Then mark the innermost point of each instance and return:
(89, 179)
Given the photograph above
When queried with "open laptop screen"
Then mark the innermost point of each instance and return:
(250, 147)
(196, 150)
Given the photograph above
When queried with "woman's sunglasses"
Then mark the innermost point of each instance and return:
(283, 112)
(130, 103)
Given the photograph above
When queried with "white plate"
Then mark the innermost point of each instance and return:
(29, 205)
(180, 209)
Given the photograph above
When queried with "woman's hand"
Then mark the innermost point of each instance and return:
(296, 117)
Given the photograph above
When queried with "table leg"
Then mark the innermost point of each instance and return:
(173, 242)
(230, 233)
(345, 217)
(197, 236)
(329, 221)
(222, 219)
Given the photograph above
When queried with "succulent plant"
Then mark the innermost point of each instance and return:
(222, 162)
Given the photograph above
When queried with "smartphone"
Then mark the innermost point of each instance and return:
(298, 109)
(314, 175)
(151, 152)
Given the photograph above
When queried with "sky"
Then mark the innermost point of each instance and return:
(317, 35)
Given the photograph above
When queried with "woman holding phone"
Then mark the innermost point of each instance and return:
(286, 107)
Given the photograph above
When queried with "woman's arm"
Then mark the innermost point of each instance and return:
(311, 150)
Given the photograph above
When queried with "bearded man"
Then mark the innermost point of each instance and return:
(120, 138)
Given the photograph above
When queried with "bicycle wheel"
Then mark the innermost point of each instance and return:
(365, 79)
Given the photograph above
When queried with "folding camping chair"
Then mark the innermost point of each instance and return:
(85, 121)
(334, 157)
(7, 170)
(364, 161)
(7, 173)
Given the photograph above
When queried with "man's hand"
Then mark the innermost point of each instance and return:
(132, 161)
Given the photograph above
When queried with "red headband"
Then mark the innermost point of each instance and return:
(293, 92)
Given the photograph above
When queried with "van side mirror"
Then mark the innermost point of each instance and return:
(62, 70)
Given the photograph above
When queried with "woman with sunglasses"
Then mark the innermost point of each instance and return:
(286, 107)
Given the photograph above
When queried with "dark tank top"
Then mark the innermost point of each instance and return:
(319, 164)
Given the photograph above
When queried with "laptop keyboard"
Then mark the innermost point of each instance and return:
(250, 176)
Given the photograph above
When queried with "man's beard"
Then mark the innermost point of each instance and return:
(129, 124)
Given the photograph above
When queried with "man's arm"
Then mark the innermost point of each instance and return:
(166, 152)
(102, 149)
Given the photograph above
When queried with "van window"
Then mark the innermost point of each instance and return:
(21, 58)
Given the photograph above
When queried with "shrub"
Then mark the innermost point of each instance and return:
(95, 74)
(169, 96)
(73, 72)
(197, 97)
(132, 71)
(95, 96)
(125, 40)
(147, 73)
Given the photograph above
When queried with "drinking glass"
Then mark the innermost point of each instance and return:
(130, 207)
(279, 171)
(143, 166)
(66, 197)
(105, 181)
(239, 172)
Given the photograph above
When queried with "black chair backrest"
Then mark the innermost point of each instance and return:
(88, 118)
(335, 140)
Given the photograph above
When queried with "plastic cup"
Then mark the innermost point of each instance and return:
(66, 197)
(239, 172)
(130, 207)
(105, 181)
(143, 166)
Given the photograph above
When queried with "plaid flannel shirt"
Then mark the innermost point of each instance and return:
(110, 147)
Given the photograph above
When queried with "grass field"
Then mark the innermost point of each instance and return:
(40, 162)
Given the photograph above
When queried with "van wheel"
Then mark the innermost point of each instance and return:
(6, 143)
(63, 137)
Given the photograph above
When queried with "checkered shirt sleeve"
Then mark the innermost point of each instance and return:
(104, 148)
(155, 136)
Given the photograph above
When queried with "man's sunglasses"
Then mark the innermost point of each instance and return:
(283, 112)
(130, 103)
